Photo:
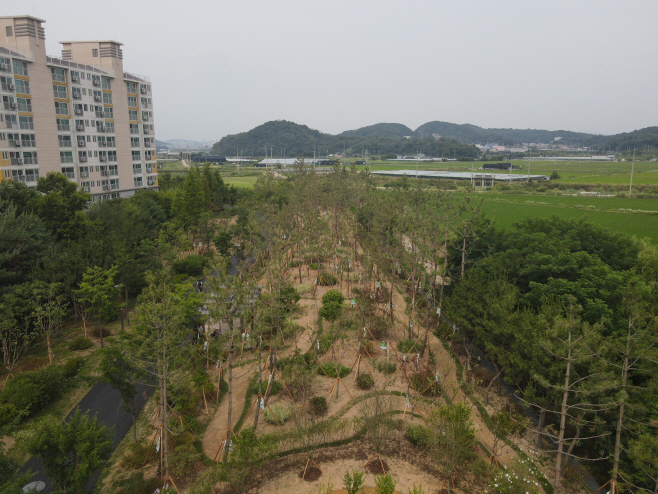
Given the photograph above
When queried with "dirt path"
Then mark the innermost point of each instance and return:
(214, 435)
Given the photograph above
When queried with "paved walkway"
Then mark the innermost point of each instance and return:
(104, 402)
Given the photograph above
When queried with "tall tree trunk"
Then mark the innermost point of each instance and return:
(50, 350)
(540, 428)
(464, 254)
(229, 424)
(164, 415)
(620, 422)
(260, 389)
(557, 484)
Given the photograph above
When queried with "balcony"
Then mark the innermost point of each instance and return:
(23, 125)
(17, 161)
(75, 65)
(84, 174)
(100, 114)
(32, 160)
(28, 107)
(18, 52)
(102, 144)
(137, 171)
(62, 127)
(28, 144)
(7, 87)
(66, 159)
(134, 130)
(62, 111)
(10, 106)
(62, 144)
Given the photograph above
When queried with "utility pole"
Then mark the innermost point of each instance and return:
(630, 190)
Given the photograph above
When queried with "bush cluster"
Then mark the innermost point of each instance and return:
(365, 381)
(71, 368)
(318, 405)
(330, 370)
(79, 343)
(191, 265)
(418, 435)
(29, 392)
(386, 367)
(332, 305)
(135, 457)
(281, 412)
(327, 279)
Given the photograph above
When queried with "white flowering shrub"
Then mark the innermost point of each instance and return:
(518, 478)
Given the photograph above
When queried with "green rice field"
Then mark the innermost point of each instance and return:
(240, 181)
(633, 217)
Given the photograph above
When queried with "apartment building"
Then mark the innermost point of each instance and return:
(79, 114)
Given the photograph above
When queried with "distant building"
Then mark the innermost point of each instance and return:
(79, 114)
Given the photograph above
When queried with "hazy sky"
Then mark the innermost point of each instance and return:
(222, 67)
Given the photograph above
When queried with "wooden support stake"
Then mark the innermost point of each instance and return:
(149, 450)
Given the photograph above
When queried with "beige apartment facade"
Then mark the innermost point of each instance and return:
(79, 114)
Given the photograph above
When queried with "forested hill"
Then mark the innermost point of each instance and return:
(381, 129)
(290, 139)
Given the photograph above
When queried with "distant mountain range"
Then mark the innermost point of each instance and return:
(432, 138)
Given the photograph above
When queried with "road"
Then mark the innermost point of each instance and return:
(104, 402)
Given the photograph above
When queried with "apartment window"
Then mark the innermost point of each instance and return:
(134, 142)
(145, 115)
(132, 115)
(94, 52)
(59, 75)
(107, 83)
(109, 127)
(100, 111)
(101, 142)
(78, 108)
(138, 182)
(143, 88)
(137, 156)
(137, 168)
(82, 157)
(84, 91)
(100, 127)
(75, 76)
(85, 185)
(31, 175)
(114, 183)
(68, 171)
(66, 157)
(9, 31)
(132, 88)
(148, 155)
(109, 112)
(64, 141)
(63, 125)
(111, 142)
(59, 91)
(102, 155)
(61, 108)
(22, 87)
(26, 123)
(20, 68)
(28, 140)
(134, 128)
(80, 125)
(97, 96)
(146, 102)
(107, 98)
(30, 158)
(24, 104)
(3, 136)
(132, 101)
(11, 121)
(112, 156)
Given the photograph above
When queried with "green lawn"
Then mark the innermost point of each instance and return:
(240, 181)
(637, 217)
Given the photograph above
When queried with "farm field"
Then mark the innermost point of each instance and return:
(240, 181)
(637, 217)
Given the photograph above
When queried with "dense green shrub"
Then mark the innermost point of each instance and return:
(135, 457)
(406, 345)
(331, 311)
(281, 412)
(327, 279)
(418, 435)
(183, 460)
(288, 297)
(365, 381)
(191, 265)
(318, 405)
(71, 368)
(313, 265)
(8, 413)
(79, 343)
(31, 391)
(179, 278)
(330, 370)
(333, 296)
